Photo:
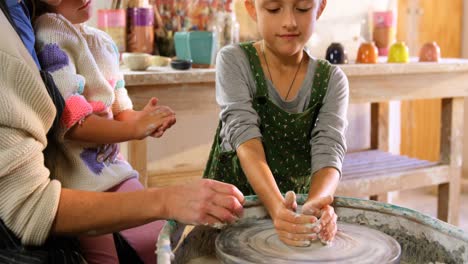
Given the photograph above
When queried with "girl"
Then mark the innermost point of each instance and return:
(39, 218)
(84, 63)
(283, 119)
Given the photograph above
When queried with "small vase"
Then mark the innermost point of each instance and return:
(430, 52)
(398, 53)
(367, 53)
(336, 54)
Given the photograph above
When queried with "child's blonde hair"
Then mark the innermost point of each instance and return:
(250, 6)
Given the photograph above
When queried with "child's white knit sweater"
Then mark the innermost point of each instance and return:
(84, 63)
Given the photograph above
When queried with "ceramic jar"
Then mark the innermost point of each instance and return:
(114, 23)
(140, 33)
(399, 53)
(384, 30)
(336, 54)
(430, 52)
(367, 53)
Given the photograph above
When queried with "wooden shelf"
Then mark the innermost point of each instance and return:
(368, 82)
(365, 173)
(166, 75)
(373, 172)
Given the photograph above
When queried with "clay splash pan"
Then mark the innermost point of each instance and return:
(422, 239)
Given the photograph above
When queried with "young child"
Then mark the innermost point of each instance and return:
(283, 120)
(84, 63)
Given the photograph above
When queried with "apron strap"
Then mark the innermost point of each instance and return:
(255, 66)
(320, 84)
(214, 147)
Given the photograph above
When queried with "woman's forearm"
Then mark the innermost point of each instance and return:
(201, 201)
(253, 161)
(105, 212)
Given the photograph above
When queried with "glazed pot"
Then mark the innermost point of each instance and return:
(430, 52)
(367, 53)
(336, 54)
(398, 53)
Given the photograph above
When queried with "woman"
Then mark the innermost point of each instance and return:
(34, 209)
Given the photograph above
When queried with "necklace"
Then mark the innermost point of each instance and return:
(269, 73)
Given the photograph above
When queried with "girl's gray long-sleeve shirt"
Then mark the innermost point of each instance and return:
(235, 90)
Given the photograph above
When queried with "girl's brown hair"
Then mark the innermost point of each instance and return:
(39, 8)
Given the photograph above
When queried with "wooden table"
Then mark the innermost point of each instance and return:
(192, 92)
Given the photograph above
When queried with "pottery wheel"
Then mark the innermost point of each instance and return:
(255, 241)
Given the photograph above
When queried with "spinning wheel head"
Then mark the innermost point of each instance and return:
(255, 241)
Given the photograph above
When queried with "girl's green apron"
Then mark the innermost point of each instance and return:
(286, 136)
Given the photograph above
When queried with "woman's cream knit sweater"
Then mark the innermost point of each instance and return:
(28, 197)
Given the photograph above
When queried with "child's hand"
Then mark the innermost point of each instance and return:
(294, 229)
(321, 208)
(152, 119)
(167, 124)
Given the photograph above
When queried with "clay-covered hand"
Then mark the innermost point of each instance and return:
(294, 229)
(322, 209)
(166, 125)
(153, 120)
(204, 202)
(108, 153)
(160, 131)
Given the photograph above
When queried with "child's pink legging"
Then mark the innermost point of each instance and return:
(101, 249)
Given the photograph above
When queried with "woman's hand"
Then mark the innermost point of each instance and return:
(322, 209)
(203, 202)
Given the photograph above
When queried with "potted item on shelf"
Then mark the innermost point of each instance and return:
(336, 54)
(197, 46)
(181, 64)
(384, 30)
(114, 23)
(140, 34)
(399, 53)
(170, 17)
(367, 53)
(137, 61)
(430, 52)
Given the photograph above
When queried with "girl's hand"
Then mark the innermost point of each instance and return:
(294, 229)
(153, 120)
(169, 123)
(321, 208)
